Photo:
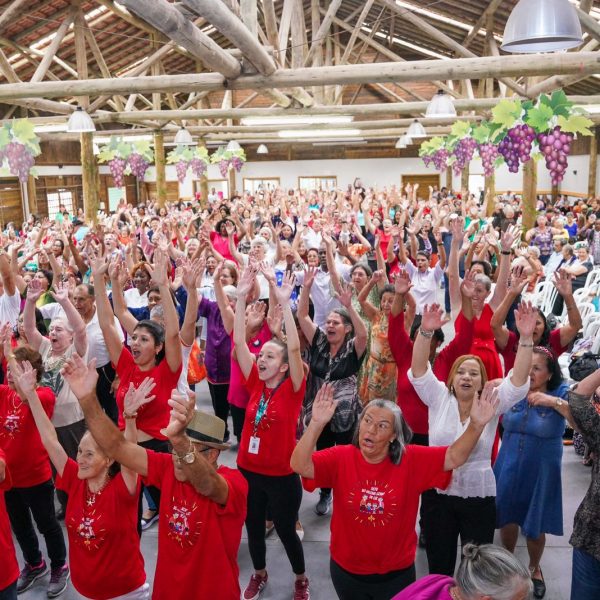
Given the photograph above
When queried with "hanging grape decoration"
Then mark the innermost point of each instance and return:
(126, 158)
(188, 158)
(517, 132)
(228, 159)
(19, 145)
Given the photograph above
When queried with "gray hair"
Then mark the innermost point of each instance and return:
(485, 280)
(63, 321)
(492, 571)
(402, 431)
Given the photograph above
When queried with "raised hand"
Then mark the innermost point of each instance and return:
(268, 272)
(508, 238)
(518, 279)
(467, 287)
(5, 337)
(485, 405)
(24, 377)
(378, 276)
(82, 378)
(246, 282)
(34, 290)
(182, 412)
(433, 317)
(99, 266)
(309, 276)
(563, 282)
(284, 292)
(135, 398)
(525, 318)
(256, 315)
(191, 271)
(275, 319)
(402, 283)
(61, 293)
(324, 405)
(345, 297)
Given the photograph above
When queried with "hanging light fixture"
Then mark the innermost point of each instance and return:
(542, 26)
(416, 130)
(441, 105)
(400, 144)
(80, 122)
(233, 145)
(405, 140)
(184, 137)
(262, 149)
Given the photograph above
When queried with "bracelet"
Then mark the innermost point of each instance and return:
(505, 252)
(426, 334)
(525, 345)
(130, 416)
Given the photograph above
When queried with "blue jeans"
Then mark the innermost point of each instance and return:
(585, 577)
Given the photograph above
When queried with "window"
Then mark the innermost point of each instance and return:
(115, 195)
(221, 187)
(58, 198)
(258, 184)
(319, 182)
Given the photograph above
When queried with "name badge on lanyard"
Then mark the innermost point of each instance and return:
(261, 412)
(254, 445)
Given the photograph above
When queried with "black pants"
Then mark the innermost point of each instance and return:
(329, 439)
(350, 586)
(69, 437)
(218, 395)
(37, 500)
(444, 518)
(157, 446)
(282, 495)
(108, 402)
(238, 415)
(9, 592)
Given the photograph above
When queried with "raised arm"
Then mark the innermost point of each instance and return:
(243, 355)
(336, 281)
(431, 320)
(456, 227)
(506, 242)
(118, 276)
(172, 343)
(34, 337)
(306, 323)
(191, 275)
(369, 310)
(227, 314)
(525, 317)
(360, 330)
(564, 285)
(8, 278)
(61, 295)
(519, 281)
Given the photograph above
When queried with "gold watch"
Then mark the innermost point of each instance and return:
(559, 403)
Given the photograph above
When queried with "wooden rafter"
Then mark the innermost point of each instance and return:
(319, 38)
(483, 19)
(15, 8)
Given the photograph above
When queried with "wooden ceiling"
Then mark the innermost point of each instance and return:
(116, 42)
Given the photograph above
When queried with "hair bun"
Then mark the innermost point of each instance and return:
(471, 551)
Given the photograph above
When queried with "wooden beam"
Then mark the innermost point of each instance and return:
(271, 25)
(483, 19)
(166, 18)
(284, 29)
(357, 26)
(80, 50)
(529, 194)
(593, 171)
(51, 50)
(159, 160)
(298, 29)
(588, 23)
(10, 13)
(218, 15)
(321, 35)
(315, 19)
(582, 63)
(89, 175)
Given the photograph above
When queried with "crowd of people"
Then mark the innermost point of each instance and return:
(319, 321)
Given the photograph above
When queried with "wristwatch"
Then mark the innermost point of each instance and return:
(559, 402)
(188, 458)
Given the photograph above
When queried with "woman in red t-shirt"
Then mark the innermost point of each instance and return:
(155, 353)
(10, 567)
(276, 383)
(102, 504)
(377, 481)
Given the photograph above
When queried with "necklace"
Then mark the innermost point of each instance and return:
(92, 496)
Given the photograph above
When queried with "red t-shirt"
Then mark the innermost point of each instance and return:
(375, 506)
(414, 411)
(10, 568)
(276, 430)
(198, 539)
(154, 416)
(221, 244)
(104, 546)
(20, 439)
(510, 350)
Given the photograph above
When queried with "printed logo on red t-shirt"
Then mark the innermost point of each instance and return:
(11, 426)
(183, 528)
(373, 503)
(89, 532)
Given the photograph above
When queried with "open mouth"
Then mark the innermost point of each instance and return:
(135, 353)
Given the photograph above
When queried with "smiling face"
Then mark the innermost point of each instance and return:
(286, 232)
(270, 363)
(467, 379)
(42, 279)
(375, 432)
(387, 299)
(91, 461)
(110, 242)
(153, 299)
(141, 280)
(582, 254)
(144, 347)
(60, 335)
(226, 276)
(312, 258)
(480, 294)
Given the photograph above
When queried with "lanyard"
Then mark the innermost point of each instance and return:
(263, 405)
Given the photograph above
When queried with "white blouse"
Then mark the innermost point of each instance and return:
(475, 478)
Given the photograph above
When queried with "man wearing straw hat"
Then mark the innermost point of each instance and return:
(203, 505)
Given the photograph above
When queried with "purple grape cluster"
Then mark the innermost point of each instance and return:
(464, 150)
(181, 167)
(440, 159)
(224, 167)
(198, 167)
(237, 163)
(488, 153)
(555, 145)
(138, 165)
(20, 160)
(516, 146)
(427, 159)
(117, 168)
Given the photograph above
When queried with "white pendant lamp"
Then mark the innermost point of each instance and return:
(400, 144)
(405, 140)
(416, 130)
(441, 105)
(233, 145)
(542, 26)
(80, 122)
(184, 137)
(262, 149)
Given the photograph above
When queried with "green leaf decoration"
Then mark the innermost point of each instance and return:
(539, 117)
(460, 129)
(506, 112)
(430, 146)
(4, 137)
(201, 152)
(22, 130)
(481, 133)
(106, 154)
(144, 147)
(527, 105)
(123, 149)
(576, 124)
(499, 161)
(179, 153)
(560, 104)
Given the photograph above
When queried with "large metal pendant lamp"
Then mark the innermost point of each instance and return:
(542, 26)
(441, 105)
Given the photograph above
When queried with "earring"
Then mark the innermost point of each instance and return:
(452, 390)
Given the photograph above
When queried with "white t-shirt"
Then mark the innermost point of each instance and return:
(475, 478)
(10, 307)
(425, 285)
(133, 299)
